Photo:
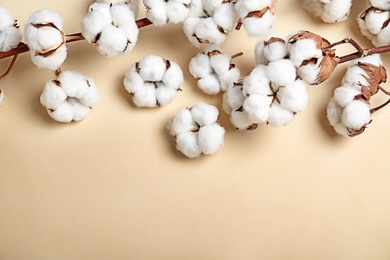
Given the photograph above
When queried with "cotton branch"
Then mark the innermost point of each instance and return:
(22, 47)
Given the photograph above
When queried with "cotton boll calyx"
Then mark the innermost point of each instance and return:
(162, 12)
(330, 11)
(197, 131)
(111, 27)
(46, 39)
(214, 70)
(153, 81)
(70, 97)
(10, 35)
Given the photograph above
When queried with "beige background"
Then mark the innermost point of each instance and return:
(113, 186)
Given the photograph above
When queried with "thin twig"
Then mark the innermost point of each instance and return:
(9, 67)
(373, 110)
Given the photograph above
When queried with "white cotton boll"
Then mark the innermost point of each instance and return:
(310, 72)
(177, 10)
(243, 7)
(207, 31)
(52, 95)
(279, 116)
(156, 12)
(241, 120)
(259, 54)
(233, 98)
(121, 14)
(52, 62)
(152, 68)
(259, 27)
(336, 10)
(345, 94)
(6, 18)
(225, 16)
(275, 51)
(228, 78)
(341, 129)
(220, 63)
(133, 81)
(363, 28)
(382, 38)
(79, 111)
(189, 25)
(374, 21)
(374, 59)
(145, 96)
(258, 106)
(199, 66)
(70, 97)
(182, 122)
(95, 21)
(63, 113)
(282, 72)
(257, 82)
(9, 38)
(46, 16)
(187, 143)
(294, 96)
(173, 76)
(302, 50)
(356, 115)
(333, 112)
(74, 84)
(133, 4)
(112, 42)
(210, 138)
(381, 4)
(165, 94)
(204, 114)
(209, 84)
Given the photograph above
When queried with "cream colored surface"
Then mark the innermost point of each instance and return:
(113, 186)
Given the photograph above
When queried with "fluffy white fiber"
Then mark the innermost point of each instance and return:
(133, 4)
(373, 24)
(162, 12)
(111, 27)
(196, 130)
(209, 22)
(46, 39)
(381, 4)
(10, 35)
(272, 49)
(257, 16)
(330, 11)
(153, 81)
(70, 97)
(213, 70)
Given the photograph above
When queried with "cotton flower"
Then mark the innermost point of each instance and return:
(153, 81)
(257, 16)
(313, 56)
(162, 12)
(197, 131)
(213, 70)
(70, 97)
(209, 22)
(374, 24)
(46, 39)
(10, 35)
(349, 109)
(111, 27)
(330, 11)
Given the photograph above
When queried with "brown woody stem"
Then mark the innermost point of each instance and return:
(9, 67)
(363, 52)
(375, 109)
(237, 55)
